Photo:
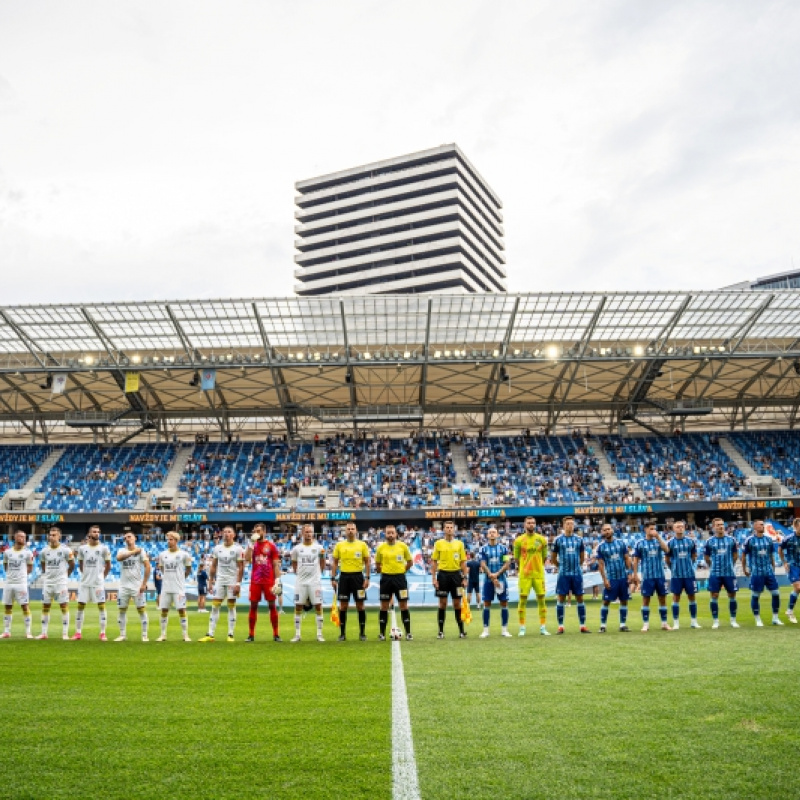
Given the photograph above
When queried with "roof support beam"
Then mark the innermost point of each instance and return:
(493, 386)
(350, 373)
(29, 343)
(423, 378)
(558, 405)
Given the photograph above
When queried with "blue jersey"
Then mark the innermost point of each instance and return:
(651, 558)
(494, 556)
(791, 549)
(570, 551)
(758, 550)
(723, 553)
(612, 554)
(682, 553)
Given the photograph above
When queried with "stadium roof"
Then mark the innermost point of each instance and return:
(531, 359)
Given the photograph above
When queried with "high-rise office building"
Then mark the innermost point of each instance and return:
(424, 222)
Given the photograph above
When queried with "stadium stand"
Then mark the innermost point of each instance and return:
(774, 453)
(18, 463)
(689, 467)
(91, 477)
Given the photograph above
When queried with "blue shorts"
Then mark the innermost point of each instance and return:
(794, 574)
(569, 583)
(489, 592)
(474, 586)
(618, 591)
(760, 582)
(651, 586)
(679, 585)
(717, 582)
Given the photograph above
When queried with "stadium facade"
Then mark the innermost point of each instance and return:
(426, 222)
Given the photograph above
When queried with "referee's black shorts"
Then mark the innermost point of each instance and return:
(394, 585)
(351, 584)
(450, 583)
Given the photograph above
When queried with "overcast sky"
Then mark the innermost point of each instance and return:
(150, 150)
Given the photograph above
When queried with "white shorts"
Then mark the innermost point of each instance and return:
(58, 593)
(169, 599)
(91, 594)
(126, 595)
(224, 591)
(12, 592)
(308, 593)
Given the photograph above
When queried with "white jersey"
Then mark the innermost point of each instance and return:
(306, 557)
(131, 570)
(173, 568)
(228, 559)
(16, 564)
(56, 562)
(94, 560)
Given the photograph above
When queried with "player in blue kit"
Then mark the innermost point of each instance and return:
(681, 555)
(614, 562)
(790, 555)
(649, 555)
(721, 554)
(494, 559)
(567, 554)
(758, 562)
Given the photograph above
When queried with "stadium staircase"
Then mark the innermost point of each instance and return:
(27, 498)
(763, 485)
(460, 463)
(609, 474)
(169, 494)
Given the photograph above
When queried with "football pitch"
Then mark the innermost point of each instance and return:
(688, 714)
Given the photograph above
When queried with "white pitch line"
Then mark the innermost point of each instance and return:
(405, 785)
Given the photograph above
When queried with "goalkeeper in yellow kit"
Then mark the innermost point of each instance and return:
(530, 552)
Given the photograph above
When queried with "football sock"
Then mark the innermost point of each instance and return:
(163, 626)
(604, 615)
(213, 620)
(755, 605)
(7, 623)
(406, 617)
(231, 620)
(362, 621)
(459, 622)
(123, 623)
(715, 608)
(487, 612)
(623, 615)
(27, 619)
(693, 610)
(45, 623)
(383, 618)
(542, 603)
(521, 609)
(343, 621)
(662, 612)
(560, 613)
(103, 621)
(252, 617)
(273, 618)
(440, 620)
(733, 606)
(676, 610)
(298, 618)
(646, 613)
(145, 622)
(582, 613)
(792, 600)
(504, 617)
(184, 626)
(320, 620)
(79, 621)
(776, 602)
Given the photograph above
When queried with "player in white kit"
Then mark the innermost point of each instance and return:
(308, 562)
(18, 562)
(94, 560)
(57, 565)
(227, 568)
(176, 564)
(133, 576)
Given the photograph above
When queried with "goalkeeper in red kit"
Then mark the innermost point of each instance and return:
(265, 578)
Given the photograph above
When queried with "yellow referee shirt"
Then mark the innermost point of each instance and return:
(449, 556)
(393, 557)
(351, 555)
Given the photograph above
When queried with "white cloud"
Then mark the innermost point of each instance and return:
(151, 150)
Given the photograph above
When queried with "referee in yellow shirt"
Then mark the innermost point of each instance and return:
(393, 560)
(449, 575)
(351, 559)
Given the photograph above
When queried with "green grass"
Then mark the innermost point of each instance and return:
(691, 714)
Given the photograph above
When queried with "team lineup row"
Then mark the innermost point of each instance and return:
(621, 572)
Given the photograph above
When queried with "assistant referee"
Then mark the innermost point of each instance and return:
(351, 558)
(449, 575)
(393, 560)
